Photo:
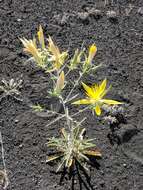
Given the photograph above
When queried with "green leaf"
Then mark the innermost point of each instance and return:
(54, 157)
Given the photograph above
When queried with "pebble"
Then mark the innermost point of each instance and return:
(126, 132)
(102, 183)
(19, 19)
(125, 165)
(95, 12)
(83, 16)
(140, 10)
(16, 120)
(21, 145)
(111, 14)
(4, 52)
(64, 19)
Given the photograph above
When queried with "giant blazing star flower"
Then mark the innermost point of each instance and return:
(95, 98)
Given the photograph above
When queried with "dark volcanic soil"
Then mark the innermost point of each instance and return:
(120, 49)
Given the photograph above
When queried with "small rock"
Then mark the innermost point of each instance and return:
(125, 165)
(21, 145)
(102, 172)
(61, 19)
(4, 52)
(64, 19)
(75, 181)
(127, 132)
(95, 12)
(19, 19)
(102, 183)
(140, 10)
(83, 16)
(16, 120)
(111, 14)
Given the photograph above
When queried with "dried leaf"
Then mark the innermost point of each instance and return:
(53, 157)
(60, 83)
(92, 152)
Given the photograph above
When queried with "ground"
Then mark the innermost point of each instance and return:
(120, 50)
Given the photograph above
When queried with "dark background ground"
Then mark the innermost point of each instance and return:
(120, 49)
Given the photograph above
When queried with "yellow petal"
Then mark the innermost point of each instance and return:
(110, 102)
(103, 86)
(89, 90)
(41, 37)
(93, 49)
(97, 110)
(83, 101)
(92, 52)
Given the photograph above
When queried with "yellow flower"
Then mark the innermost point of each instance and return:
(31, 48)
(41, 37)
(59, 58)
(95, 95)
(92, 52)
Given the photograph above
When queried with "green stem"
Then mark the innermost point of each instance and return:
(76, 83)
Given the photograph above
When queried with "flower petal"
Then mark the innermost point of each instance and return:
(110, 102)
(102, 86)
(82, 101)
(41, 37)
(89, 90)
(97, 110)
(92, 52)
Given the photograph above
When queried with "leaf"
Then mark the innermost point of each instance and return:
(110, 102)
(102, 86)
(11, 83)
(92, 152)
(56, 53)
(84, 101)
(60, 165)
(70, 162)
(82, 133)
(64, 133)
(53, 157)
(29, 47)
(76, 59)
(97, 110)
(60, 83)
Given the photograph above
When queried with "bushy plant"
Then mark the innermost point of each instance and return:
(71, 146)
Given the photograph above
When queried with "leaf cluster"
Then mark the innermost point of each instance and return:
(71, 147)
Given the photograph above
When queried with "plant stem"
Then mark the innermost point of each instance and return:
(3, 160)
(55, 120)
(67, 73)
(80, 111)
(76, 83)
(68, 118)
